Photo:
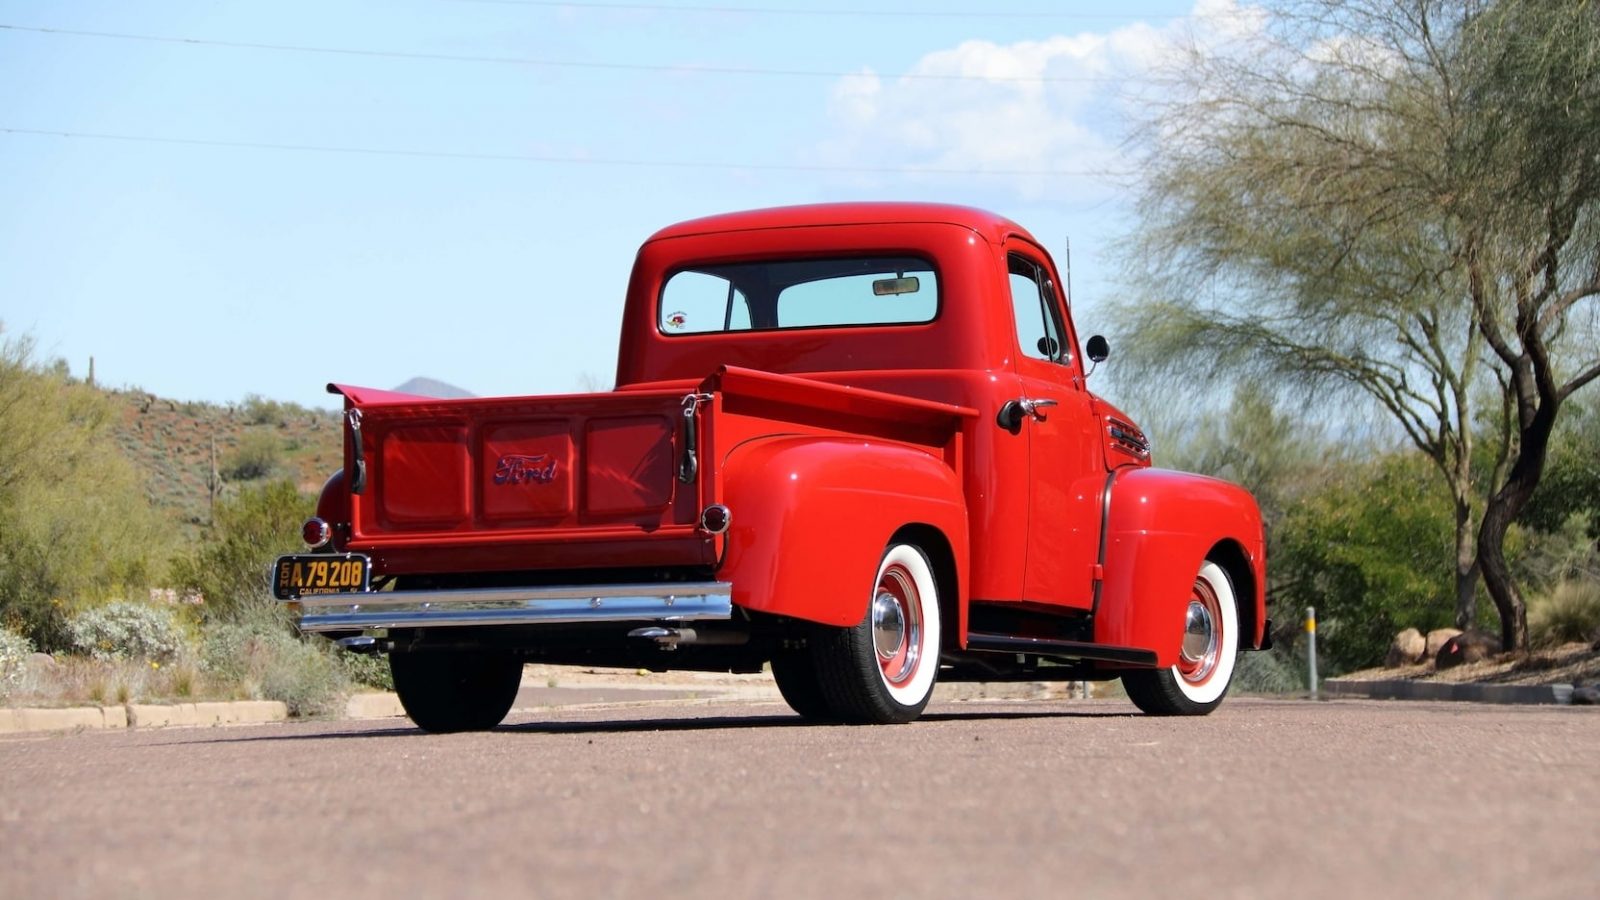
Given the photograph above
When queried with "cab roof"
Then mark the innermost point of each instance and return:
(992, 227)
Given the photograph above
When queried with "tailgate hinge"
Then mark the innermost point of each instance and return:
(689, 465)
(359, 482)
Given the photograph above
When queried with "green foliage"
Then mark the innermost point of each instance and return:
(1395, 200)
(1571, 484)
(1568, 612)
(368, 670)
(1370, 551)
(122, 630)
(258, 410)
(1274, 454)
(75, 524)
(15, 649)
(259, 455)
(1271, 672)
(268, 663)
(229, 569)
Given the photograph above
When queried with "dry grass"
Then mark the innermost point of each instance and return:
(1571, 663)
(79, 681)
(1568, 613)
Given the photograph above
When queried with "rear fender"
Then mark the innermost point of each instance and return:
(811, 517)
(1162, 527)
(333, 507)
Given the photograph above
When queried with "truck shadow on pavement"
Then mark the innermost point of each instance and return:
(677, 724)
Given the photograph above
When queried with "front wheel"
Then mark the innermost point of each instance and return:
(456, 690)
(1199, 681)
(882, 670)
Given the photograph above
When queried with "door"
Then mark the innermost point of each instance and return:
(1066, 476)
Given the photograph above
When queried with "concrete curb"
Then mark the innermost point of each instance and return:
(179, 715)
(1519, 694)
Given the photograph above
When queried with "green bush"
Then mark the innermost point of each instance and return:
(229, 569)
(1568, 612)
(367, 670)
(124, 630)
(268, 663)
(1371, 551)
(14, 652)
(1269, 672)
(76, 525)
(259, 455)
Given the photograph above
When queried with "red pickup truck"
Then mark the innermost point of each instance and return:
(851, 441)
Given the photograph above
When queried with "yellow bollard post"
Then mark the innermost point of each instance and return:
(1311, 646)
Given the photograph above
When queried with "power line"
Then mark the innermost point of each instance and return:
(561, 160)
(834, 12)
(551, 63)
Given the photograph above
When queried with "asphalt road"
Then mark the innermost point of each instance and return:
(1000, 799)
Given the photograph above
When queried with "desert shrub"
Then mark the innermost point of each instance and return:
(1371, 550)
(76, 525)
(124, 630)
(258, 410)
(14, 652)
(367, 670)
(268, 663)
(258, 456)
(1269, 672)
(229, 569)
(1568, 612)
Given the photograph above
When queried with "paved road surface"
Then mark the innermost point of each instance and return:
(1018, 800)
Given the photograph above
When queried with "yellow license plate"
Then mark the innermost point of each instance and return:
(320, 573)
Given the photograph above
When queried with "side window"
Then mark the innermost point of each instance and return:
(1038, 330)
(697, 302)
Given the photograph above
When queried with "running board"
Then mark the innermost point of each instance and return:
(1005, 643)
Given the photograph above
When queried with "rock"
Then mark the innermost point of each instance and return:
(1467, 647)
(1586, 696)
(1409, 648)
(42, 662)
(1436, 639)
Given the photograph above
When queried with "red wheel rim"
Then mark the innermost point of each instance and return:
(1203, 634)
(897, 626)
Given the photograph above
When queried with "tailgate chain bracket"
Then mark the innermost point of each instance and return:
(359, 482)
(689, 466)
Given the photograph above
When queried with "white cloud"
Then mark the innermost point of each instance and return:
(1056, 105)
(855, 97)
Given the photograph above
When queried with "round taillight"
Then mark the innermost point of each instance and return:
(715, 519)
(316, 533)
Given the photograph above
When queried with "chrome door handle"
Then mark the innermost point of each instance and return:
(1014, 411)
(1032, 407)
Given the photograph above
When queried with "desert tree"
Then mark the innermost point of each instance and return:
(1330, 204)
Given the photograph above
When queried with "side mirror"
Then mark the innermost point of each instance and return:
(1097, 349)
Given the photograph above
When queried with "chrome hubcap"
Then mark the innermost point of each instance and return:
(888, 625)
(1199, 640)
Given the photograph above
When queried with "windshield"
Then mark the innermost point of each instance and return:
(810, 293)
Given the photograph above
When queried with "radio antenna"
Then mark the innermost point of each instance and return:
(1069, 273)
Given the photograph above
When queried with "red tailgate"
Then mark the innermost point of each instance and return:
(521, 483)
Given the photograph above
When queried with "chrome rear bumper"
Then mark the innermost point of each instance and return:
(680, 602)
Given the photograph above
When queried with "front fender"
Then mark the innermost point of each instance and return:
(811, 517)
(1162, 526)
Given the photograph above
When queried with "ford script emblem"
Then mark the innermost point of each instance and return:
(518, 469)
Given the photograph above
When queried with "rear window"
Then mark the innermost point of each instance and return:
(810, 293)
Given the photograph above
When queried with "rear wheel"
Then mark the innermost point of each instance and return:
(1199, 681)
(882, 669)
(795, 671)
(456, 690)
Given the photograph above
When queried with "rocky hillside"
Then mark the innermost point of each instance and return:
(187, 448)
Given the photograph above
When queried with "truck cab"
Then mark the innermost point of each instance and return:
(851, 442)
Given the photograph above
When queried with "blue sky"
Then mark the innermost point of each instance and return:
(456, 188)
